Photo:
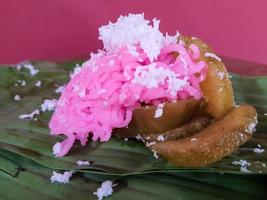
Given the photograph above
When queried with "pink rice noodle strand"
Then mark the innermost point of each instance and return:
(103, 95)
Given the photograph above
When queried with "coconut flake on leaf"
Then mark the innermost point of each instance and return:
(31, 115)
(105, 190)
(59, 89)
(31, 69)
(17, 97)
(48, 105)
(82, 162)
(38, 83)
(61, 178)
(57, 149)
(243, 165)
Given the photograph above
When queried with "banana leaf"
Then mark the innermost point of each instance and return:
(31, 139)
(32, 182)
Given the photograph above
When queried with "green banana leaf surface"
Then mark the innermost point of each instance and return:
(26, 179)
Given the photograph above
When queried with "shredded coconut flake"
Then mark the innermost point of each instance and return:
(193, 139)
(38, 83)
(81, 162)
(258, 150)
(57, 148)
(251, 127)
(148, 144)
(61, 178)
(159, 111)
(17, 97)
(31, 68)
(212, 55)
(22, 82)
(76, 70)
(244, 169)
(49, 105)
(243, 165)
(130, 31)
(105, 190)
(60, 89)
(152, 77)
(221, 75)
(31, 115)
(138, 137)
(161, 138)
(171, 39)
(155, 154)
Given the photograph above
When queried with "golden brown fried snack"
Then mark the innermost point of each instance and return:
(174, 115)
(212, 143)
(196, 124)
(216, 88)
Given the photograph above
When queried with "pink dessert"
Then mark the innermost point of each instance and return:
(136, 66)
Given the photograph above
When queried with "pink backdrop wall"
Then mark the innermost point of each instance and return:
(65, 29)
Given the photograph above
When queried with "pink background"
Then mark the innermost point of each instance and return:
(66, 29)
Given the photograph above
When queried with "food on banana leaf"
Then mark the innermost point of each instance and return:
(147, 84)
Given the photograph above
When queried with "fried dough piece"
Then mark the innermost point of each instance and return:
(196, 124)
(144, 122)
(216, 88)
(212, 143)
